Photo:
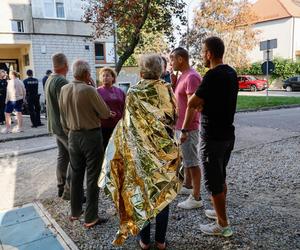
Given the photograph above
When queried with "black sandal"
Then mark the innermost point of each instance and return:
(139, 241)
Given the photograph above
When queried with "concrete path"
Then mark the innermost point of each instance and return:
(27, 133)
(256, 128)
(31, 227)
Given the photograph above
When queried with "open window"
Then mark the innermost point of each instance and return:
(17, 26)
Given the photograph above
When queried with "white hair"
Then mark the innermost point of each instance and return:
(59, 60)
(80, 68)
(151, 66)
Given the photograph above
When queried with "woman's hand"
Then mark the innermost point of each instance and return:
(113, 114)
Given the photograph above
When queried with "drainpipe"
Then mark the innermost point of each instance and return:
(32, 22)
(293, 40)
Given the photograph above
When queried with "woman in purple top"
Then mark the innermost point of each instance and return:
(115, 100)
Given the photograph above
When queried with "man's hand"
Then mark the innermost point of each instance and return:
(199, 108)
(183, 137)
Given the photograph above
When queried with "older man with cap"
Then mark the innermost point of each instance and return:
(81, 109)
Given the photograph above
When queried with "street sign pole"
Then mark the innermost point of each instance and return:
(267, 46)
(268, 73)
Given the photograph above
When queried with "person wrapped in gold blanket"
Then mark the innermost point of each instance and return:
(140, 167)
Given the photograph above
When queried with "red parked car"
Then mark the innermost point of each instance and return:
(251, 83)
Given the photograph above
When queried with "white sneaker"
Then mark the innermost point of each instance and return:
(210, 213)
(5, 131)
(186, 191)
(16, 129)
(190, 203)
(215, 229)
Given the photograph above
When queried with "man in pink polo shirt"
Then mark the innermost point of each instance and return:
(186, 86)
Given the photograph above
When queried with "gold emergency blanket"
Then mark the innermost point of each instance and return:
(139, 170)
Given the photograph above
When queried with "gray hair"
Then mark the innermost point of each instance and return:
(80, 68)
(151, 66)
(59, 60)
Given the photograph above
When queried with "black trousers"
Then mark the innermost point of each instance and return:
(215, 156)
(63, 169)
(34, 108)
(106, 134)
(160, 228)
(2, 108)
(86, 155)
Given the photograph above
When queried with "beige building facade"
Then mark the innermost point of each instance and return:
(32, 30)
(278, 19)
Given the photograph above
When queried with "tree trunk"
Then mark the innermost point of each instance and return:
(135, 39)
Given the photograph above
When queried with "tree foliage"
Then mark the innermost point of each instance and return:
(133, 19)
(149, 43)
(229, 19)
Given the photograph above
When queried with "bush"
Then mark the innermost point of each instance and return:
(284, 68)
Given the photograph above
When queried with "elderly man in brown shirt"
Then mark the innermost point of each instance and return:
(81, 109)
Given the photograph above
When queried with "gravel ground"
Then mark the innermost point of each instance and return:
(263, 207)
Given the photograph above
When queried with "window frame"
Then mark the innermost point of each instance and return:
(17, 21)
(97, 61)
(54, 2)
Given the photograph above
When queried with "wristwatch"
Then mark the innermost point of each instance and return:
(184, 130)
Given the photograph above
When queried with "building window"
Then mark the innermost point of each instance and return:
(99, 52)
(49, 8)
(54, 8)
(26, 60)
(60, 10)
(17, 26)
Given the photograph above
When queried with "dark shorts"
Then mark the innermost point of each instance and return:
(215, 156)
(13, 105)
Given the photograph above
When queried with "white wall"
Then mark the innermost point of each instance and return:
(277, 29)
(15, 9)
(110, 54)
(73, 10)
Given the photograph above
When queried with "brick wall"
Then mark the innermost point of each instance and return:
(44, 46)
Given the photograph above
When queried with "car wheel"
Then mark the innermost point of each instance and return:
(289, 89)
(253, 88)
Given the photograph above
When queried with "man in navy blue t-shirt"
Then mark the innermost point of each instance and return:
(216, 99)
(33, 99)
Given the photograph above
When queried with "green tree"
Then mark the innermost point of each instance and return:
(149, 43)
(133, 19)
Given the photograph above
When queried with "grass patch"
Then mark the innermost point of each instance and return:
(257, 102)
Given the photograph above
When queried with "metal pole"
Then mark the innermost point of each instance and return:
(188, 25)
(187, 29)
(268, 73)
(115, 43)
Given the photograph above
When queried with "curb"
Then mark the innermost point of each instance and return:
(62, 237)
(28, 151)
(24, 137)
(269, 108)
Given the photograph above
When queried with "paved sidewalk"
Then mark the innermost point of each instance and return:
(31, 227)
(28, 131)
